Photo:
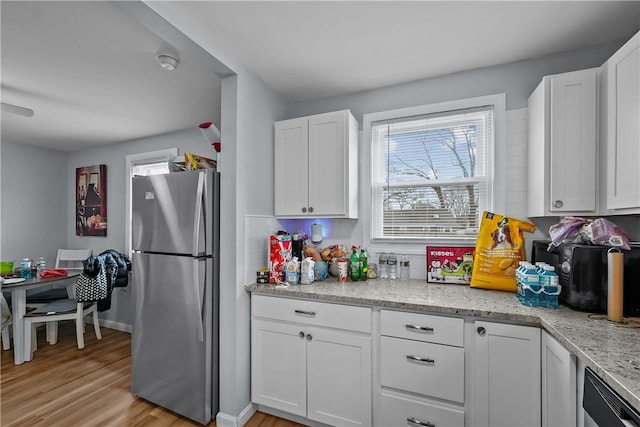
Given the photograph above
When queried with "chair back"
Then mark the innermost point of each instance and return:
(71, 259)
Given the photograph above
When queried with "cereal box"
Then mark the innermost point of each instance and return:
(279, 255)
(450, 264)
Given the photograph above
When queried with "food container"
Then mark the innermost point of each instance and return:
(6, 267)
(343, 269)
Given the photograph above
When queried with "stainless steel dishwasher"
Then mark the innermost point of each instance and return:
(603, 406)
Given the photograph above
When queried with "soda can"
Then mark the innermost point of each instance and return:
(343, 269)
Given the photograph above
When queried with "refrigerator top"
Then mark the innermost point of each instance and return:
(175, 213)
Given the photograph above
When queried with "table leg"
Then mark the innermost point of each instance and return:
(19, 307)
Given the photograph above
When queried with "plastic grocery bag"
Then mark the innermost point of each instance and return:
(600, 231)
(499, 248)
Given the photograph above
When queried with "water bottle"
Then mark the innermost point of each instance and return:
(405, 269)
(550, 284)
(41, 265)
(25, 268)
(383, 272)
(531, 284)
(392, 266)
(364, 265)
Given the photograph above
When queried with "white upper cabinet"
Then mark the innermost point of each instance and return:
(623, 128)
(563, 145)
(316, 166)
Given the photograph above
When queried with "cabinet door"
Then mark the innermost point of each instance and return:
(623, 129)
(339, 377)
(278, 366)
(328, 164)
(573, 145)
(507, 375)
(291, 153)
(559, 401)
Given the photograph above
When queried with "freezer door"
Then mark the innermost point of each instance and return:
(174, 213)
(172, 342)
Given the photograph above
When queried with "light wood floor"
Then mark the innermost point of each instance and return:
(66, 387)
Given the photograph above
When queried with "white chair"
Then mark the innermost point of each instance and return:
(68, 309)
(71, 259)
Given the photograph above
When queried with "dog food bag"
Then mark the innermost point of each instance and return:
(499, 248)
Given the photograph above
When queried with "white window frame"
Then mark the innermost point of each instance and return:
(133, 160)
(495, 172)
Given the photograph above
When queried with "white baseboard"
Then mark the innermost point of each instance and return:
(226, 420)
(122, 327)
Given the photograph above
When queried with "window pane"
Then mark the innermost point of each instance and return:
(430, 174)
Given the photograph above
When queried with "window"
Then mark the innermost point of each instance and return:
(432, 170)
(151, 163)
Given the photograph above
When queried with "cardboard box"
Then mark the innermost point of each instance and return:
(450, 264)
(279, 255)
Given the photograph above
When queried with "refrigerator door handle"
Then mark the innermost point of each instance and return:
(199, 298)
(198, 215)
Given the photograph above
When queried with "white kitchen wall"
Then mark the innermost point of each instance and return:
(257, 229)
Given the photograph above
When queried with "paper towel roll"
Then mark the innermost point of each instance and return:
(615, 283)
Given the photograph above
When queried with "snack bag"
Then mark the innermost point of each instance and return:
(499, 248)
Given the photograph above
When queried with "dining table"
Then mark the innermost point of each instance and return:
(19, 305)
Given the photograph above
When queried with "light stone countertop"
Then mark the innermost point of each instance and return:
(611, 350)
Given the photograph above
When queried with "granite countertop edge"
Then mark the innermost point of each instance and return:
(618, 366)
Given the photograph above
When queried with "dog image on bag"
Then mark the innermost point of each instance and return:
(501, 236)
(499, 248)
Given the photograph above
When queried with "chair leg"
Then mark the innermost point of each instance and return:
(52, 332)
(96, 324)
(6, 340)
(29, 334)
(80, 331)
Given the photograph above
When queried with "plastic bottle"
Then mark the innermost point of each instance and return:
(405, 269)
(383, 271)
(392, 266)
(549, 282)
(42, 265)
(364, 265)
(354, 262)
(531, 282)
(25, 268)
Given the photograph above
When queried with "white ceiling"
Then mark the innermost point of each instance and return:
(89, 71)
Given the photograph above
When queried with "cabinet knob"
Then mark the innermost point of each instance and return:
(558, 204)
(301, 334)
(481, 331)
(309, 337)
(310, 209)
(304, 210)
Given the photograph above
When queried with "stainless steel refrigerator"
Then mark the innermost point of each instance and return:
(174, 343)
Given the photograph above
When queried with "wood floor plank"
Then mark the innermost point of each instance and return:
(66, 387)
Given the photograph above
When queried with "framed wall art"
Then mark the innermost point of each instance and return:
(91, 201)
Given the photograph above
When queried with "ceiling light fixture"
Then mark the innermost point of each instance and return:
(167, 62)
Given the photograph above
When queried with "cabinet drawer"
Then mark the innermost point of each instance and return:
(312, 313)
(403, 411)
(422, 327)
(424, 368)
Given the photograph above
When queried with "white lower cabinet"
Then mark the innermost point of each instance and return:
(309, 368)
(506, 365)
(422, 371)
(559, 390)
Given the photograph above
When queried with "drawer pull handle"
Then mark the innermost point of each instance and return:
(306, 313)
(418, 328)
(413, 422)
(411, 357)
